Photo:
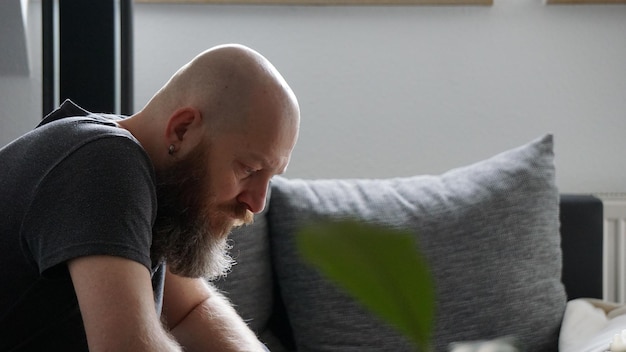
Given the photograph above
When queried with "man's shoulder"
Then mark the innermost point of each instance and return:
(70, 128)
(70, 110)
(66, 109)
(70, 123)
(68, 142)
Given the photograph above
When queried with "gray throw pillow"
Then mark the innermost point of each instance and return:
(489, 231)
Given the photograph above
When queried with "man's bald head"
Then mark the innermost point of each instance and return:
(222, 83)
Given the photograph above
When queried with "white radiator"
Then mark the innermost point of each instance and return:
(614, 266)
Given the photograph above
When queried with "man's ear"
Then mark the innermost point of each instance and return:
(184, 125)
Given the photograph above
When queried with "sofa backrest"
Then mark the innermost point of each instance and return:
(490, 230)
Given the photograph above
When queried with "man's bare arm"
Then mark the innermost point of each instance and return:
(117, 305)
(201, 319)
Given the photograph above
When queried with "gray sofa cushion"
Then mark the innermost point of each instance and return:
(489, 231)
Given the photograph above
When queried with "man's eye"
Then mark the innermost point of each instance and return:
(248, 171)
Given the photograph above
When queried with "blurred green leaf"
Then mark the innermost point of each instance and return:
(381, 268)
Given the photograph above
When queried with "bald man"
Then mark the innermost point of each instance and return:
(110, 225)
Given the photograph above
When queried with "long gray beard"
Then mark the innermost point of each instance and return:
(197, 255)
(182, 234)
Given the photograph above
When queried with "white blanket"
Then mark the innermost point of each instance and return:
(590, 325)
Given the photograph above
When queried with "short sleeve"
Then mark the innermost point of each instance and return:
(99, 200)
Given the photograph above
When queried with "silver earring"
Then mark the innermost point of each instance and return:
(171, 149)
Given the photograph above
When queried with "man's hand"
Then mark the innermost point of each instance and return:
(201, 319)
(117, 305)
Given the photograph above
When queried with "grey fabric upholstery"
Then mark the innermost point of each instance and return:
(490, 232)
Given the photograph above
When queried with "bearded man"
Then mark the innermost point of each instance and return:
(110, 225)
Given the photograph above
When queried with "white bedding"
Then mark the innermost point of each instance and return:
(590, 325)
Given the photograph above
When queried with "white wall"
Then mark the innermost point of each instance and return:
(20, 90)
(396, 91)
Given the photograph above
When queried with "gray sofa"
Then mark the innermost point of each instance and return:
(506, 251)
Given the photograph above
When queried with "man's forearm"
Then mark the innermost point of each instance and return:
(215, 325)
(157, 340)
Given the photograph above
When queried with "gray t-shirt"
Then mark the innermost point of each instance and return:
(76, 185)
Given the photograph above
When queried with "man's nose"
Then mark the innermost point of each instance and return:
(254, 196)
